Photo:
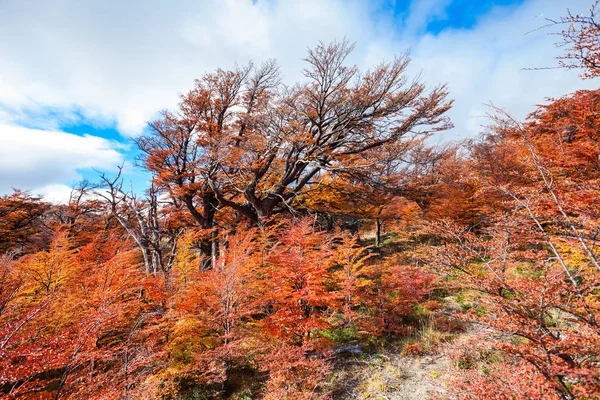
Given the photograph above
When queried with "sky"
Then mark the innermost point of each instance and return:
(80, 78)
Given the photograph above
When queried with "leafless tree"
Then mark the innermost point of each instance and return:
(142, 220)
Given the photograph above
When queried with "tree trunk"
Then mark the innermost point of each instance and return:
(206, 249)
(214, 248)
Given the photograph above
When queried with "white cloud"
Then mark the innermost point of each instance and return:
(127, 60)
(423, 11)
(33, 158)
(55, 193)
(123, 61)
(489, 63)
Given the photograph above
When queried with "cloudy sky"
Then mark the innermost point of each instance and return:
(79, 78)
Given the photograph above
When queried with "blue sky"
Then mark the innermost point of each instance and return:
(80, 78)
(456, 14)
(466, 13)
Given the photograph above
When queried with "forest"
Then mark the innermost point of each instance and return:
(292, 239)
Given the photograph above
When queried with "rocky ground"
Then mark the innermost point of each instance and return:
(393, 376)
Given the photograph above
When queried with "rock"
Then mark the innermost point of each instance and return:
(352, 349)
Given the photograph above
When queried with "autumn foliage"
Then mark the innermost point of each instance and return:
(531, 258)
(287, 226)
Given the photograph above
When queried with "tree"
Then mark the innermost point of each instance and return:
(186, 149)
(355, 200)
(79, 308)
(21, 222)
(98, 313)
(218, 305)
(534, 263)
(243, 141)
(145, 222)
(298, 292)
(581, 37)
(82, 215)
(541, 316)
(353, 277)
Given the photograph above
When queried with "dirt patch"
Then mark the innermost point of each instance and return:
(393, 376)
(423, 378)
